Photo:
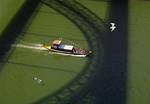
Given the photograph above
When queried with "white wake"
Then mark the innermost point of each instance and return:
(32, 46)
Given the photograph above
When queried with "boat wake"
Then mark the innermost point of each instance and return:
(31, 46)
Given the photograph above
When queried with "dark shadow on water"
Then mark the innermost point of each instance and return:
(15, 26)
(111, 80)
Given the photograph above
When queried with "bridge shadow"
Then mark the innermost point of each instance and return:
(111, 81)
(107, 82)
(14, 27)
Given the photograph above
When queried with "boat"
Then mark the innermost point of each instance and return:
(69, 50)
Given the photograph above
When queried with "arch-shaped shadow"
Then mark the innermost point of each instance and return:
(93, 29)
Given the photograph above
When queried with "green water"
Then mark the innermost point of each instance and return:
(138, 66)
(8, 9)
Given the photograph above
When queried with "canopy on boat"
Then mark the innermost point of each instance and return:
(56, 42)
(66, 47)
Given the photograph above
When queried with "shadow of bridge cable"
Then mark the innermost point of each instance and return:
(52, 36)
(78, 87)
(94, 20)
(40, 67)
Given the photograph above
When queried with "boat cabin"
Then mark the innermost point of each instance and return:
(57, 46)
